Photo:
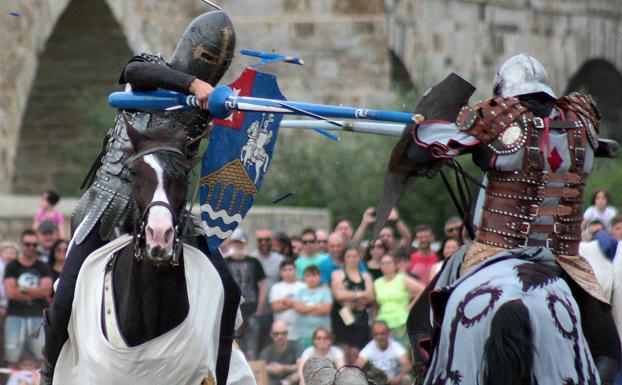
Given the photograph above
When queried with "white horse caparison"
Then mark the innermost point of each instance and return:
(91, 356)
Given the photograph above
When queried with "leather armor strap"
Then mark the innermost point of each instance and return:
(565, 124)
(527, 211)
(557, 246)
(500, 224)
(534, 159)
(517, 191)
(535, 178)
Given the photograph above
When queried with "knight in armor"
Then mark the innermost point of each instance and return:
(201, 58)
(536, 151)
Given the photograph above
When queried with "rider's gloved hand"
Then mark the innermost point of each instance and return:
(201, 90)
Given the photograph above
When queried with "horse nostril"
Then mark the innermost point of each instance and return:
(168, 235)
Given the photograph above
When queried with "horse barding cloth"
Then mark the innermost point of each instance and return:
(237, 157)
(186, 355)
(463, 306)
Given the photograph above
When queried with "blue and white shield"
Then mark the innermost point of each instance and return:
(237, 158)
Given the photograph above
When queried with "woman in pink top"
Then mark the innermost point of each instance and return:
(49, 199)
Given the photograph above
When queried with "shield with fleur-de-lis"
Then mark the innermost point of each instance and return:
(237, 158)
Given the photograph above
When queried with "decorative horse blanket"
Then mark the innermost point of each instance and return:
(464, 307)
(185, 355)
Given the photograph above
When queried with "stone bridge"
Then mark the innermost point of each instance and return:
(62, 57)
(579, 42)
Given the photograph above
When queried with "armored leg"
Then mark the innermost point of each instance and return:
(56, 317)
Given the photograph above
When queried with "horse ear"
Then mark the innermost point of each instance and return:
(136, 138)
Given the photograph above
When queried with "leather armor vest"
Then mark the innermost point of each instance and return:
(540, 202)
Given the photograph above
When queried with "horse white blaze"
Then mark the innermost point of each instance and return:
(159, 228)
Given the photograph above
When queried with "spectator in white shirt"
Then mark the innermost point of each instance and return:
(387, 355)
(282, 298)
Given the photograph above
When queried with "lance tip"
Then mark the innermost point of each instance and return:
(212, 4)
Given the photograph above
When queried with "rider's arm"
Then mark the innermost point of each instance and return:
(145, 76)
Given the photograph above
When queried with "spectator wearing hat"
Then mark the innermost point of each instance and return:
(47, 235)
(249, 274)
(49, 199)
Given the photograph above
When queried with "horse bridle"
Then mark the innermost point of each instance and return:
(178, 220)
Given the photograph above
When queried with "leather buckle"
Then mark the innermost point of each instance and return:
(525, 242)
(579, 155)
(524, 228)
(534, 210)
(550, 244)
(538, 122)
(557, 228)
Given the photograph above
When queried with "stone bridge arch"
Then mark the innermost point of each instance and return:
(601, 79)
(473, 37)
(351, 69)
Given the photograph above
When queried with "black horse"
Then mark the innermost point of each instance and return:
(159, 301)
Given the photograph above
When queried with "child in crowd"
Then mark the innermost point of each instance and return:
(313, 305)
(599, 210)
(49, 199)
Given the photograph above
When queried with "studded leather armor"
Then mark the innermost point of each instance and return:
(108, 197)
(536, 173)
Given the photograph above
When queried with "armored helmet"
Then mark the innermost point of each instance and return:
(520, 75)
(206, 48)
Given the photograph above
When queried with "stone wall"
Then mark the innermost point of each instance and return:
(24, 37)
(341, 41)
(473, 37)
(17, 213)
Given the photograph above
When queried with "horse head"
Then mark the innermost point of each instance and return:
(159, 185)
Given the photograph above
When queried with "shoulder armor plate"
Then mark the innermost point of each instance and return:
(585, 108)
(487, 120)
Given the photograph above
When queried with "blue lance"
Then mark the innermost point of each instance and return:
(223, 102)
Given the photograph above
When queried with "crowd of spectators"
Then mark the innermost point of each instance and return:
(29, 268)
(340, 295)
(346, 297)
(337, 295)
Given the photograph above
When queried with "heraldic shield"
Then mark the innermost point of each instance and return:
(237, 158)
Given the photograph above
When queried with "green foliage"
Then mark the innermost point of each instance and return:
(607, 173)
(82, 151)
(348, 176)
